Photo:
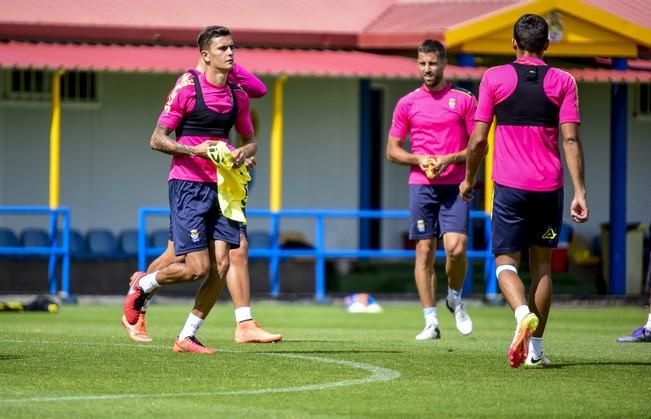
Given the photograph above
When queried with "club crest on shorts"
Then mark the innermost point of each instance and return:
(550, 234)
(420, 226)
(452, 103)
(194, 235)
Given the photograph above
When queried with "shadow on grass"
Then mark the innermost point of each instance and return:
(352, 351)
(611, 363)
(5, 357)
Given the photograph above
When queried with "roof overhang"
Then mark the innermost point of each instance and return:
(264, 62)
(576, 29)
(168, 59)
(172, 35)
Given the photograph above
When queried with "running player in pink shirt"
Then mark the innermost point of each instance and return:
(237, 279)
(529, 100)
(438, 118)
(202, 108)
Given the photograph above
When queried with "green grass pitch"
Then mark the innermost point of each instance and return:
(80, 363)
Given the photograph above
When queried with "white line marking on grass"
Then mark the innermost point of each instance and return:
(377, 374)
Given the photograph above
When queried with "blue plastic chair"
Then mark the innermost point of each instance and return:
(102, 243)
(78, 247)
(8, 238)
(159, 238)
(128, 242)
(566, 233)
(35, 237)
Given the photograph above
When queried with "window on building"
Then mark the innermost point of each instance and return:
(36, 86)
(643, 100)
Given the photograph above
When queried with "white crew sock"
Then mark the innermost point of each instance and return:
(148, 282)
(243, 314)
(536, 346)
(430, 316)
(521, 312)
(454, 298)
(648, 323)
(192, 325)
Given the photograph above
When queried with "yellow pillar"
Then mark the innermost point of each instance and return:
(55, 139)
(488, 172)
(276, 185)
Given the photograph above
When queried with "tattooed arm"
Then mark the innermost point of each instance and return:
(161, 141)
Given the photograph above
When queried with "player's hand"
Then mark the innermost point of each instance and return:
(439, 164)
(201, 150)
(579, 209)
(239, 157)
(465, 189)
(250, 162)
(426, 164)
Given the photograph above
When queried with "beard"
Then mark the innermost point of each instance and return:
(436, 79)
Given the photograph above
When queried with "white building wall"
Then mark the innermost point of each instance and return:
(395, 193)
(639, 166)
(108, 170)
(595, 133)
(321, 153)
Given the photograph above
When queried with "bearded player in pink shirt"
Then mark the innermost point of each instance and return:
(529, 100)
(439, 119)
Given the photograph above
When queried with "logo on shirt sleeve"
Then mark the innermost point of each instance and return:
(186, 80)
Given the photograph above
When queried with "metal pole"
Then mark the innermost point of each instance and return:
(618, 145)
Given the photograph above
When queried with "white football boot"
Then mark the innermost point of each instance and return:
(461, 318)
(431, 331)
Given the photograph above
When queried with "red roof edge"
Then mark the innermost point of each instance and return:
(395, 40)
(170, 36)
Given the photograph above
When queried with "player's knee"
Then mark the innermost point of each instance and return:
(424, 247)
(197, 273)
(503, 268)
(456, 253)
(238, 258)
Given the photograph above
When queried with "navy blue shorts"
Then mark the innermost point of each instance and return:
(170, 235)
(522, 218)
(435, 210)
(196, 218)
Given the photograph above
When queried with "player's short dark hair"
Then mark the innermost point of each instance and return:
(431, 45)
(210, 32)
(531, 33)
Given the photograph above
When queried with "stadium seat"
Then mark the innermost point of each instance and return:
(158, 238)
(34, 237)
(128, 242)
(102, 243)
(78, 248)
(8, 238)
(566, 234)
(259, 240)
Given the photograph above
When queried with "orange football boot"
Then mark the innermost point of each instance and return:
(249, 331)
(519, 348)
(192, 344)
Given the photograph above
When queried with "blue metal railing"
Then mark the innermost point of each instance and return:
(57, 249)
(320, 252)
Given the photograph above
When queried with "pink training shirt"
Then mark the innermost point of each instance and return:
(527, 157)
(180, 103)
(438, 123)
(253, 86)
